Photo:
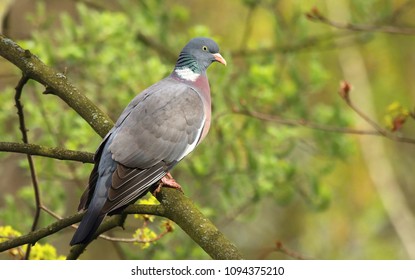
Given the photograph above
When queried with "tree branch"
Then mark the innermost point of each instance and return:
(157, 46)
(55, 83)
(281, 248)
(301, 45)
(323, 127)
(112, 222)
(33, 237)
(173, 205)
(344, 93)
(56, 153)
(304, 123)
(316, 16)
(181, 210)
(19, 90)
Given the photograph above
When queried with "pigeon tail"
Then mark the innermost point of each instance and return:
(86, 230)
(94, 214)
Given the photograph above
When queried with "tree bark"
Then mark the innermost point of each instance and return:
(55, 83)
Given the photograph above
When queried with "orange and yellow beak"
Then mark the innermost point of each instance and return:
(219, 58)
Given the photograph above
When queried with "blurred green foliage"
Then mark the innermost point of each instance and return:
(244, 165)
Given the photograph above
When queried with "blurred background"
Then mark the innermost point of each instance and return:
(280, 174)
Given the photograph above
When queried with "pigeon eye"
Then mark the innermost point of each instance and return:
(204, 48)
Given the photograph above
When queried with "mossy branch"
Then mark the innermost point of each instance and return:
(55, 83)
(33, 237)
(38, 150)
(173, 204)
(181, 210)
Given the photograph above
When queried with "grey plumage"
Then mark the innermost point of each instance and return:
(157, 129)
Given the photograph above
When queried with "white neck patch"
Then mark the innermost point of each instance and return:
(187, 74)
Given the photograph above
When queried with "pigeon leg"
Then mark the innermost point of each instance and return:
(168, 181)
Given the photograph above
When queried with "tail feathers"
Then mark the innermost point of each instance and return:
(95, 196)
(89, 224)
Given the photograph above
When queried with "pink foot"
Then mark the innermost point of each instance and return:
(168, 181)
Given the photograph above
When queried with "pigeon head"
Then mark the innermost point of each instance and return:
(197, 55)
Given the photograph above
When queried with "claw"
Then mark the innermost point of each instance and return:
(168, 181)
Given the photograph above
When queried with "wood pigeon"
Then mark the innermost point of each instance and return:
(158, 128)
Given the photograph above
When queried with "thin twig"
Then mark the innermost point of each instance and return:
(168, 229)
(397, 13)
(302, 45)
(22, 126)
(51, 213)
(344, 93)
(316, 16)
(160, 48)
(304, 123)
(378, 131)
(279, 247)
(23, 80)
(112, 222)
